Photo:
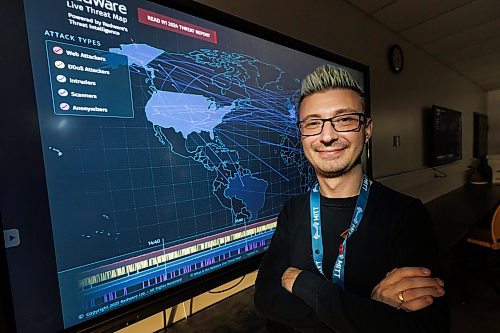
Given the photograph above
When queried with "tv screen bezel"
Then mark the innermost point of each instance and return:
(27, 172)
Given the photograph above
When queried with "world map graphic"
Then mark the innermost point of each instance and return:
(211, 107)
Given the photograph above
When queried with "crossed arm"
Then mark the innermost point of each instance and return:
(328, 308)
(408, 288)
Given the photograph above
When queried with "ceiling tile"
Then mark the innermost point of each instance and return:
(490, 85)
(370, 6)
(476, 67)
(451, 22)
(473, 52)
(474, 35)
(401, 15)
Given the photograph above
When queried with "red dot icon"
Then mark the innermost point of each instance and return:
(57, 50)
(64, 106)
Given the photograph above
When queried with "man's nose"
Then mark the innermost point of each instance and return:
(329, 133)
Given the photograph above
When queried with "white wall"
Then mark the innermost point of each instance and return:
(397, 100)
(494, 122)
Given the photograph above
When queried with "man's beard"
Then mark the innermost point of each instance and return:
(342, 171)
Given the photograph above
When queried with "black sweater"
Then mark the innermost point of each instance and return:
(395, 232)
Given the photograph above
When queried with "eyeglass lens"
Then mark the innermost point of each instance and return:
(342, 123)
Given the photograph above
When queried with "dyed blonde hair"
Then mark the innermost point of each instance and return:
(328, 77)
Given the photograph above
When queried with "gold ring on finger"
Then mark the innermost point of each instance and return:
(400, 296)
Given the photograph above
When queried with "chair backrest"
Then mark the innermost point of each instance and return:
(495, 225)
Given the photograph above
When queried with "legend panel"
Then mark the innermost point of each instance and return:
(89, 82)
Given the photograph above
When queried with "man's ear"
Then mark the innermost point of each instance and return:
(368, 129)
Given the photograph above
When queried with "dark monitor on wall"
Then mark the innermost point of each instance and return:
(480, 136)
(445, 131)
(146, 150)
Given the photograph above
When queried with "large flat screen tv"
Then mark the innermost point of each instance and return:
(445, 136)
(146, 151)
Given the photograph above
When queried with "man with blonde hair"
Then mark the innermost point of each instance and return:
(334, 263)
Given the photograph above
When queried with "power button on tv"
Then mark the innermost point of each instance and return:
(11, 238)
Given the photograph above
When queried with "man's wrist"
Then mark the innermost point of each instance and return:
(289, 277)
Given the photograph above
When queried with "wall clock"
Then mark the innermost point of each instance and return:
(396, 59)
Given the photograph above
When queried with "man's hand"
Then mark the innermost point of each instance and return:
(409, 288)
(289, 277)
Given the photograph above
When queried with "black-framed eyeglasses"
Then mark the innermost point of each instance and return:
(349, 122)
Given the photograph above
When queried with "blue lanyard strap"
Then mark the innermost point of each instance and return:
(317, 239)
